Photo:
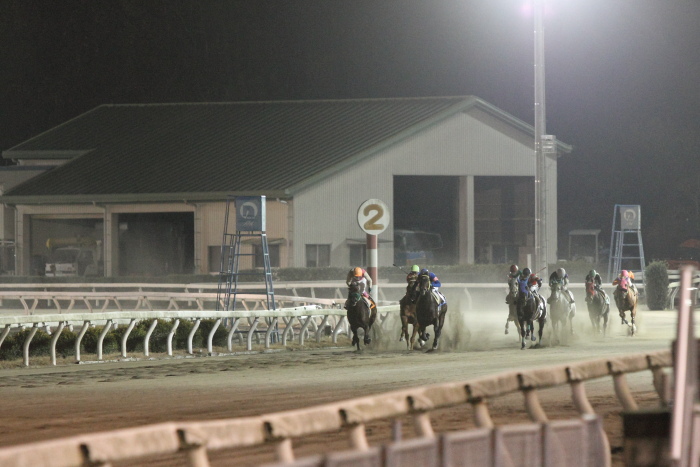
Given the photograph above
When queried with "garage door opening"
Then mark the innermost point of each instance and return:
(156, 244)
(425, 219)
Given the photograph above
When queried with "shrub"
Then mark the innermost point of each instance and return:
(656, 285)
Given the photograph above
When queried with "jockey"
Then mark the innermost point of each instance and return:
(361, 277)
(525, 283)
(625, 279)
(513, 274)
(434, 286)
(560, 277)
(515, 271)
(594, 277)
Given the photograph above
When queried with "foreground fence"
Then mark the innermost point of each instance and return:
(577, 442)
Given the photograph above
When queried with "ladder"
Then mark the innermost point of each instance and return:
(626, 248)
(229, 271)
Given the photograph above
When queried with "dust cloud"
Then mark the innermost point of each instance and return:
(477, 322)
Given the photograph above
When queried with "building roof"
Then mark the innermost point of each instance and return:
(196, 151)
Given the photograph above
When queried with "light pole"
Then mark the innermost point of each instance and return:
(540, 261)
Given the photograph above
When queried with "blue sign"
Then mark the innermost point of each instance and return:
(250, 213)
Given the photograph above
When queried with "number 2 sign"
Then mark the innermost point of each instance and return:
(373, 216)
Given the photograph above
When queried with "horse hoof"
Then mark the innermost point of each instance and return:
(401, 339)
(506, 331)
(533, 338)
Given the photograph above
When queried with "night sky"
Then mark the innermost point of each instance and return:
(622, 77)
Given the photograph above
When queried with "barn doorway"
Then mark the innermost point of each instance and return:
(156, 244)
(504, 219)
(425, 219)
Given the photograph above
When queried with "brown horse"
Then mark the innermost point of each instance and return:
(598, 307)
(626, 300)
(407, 313)
(511, 299)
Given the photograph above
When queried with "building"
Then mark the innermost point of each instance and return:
(149, 182)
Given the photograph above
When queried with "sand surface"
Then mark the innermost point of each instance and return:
(41, 403)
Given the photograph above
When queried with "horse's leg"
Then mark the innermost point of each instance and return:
(541, 322)
(572, 313)
(523, 326)
(606, 314)
(438, 326)
(355, 337)
(404, 328)
(414, 332)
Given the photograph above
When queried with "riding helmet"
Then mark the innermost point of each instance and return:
(358, 271)
(514, 268)
(415, 268)
(592, 273)
(624, 273)
(561, 273)
(526, 272)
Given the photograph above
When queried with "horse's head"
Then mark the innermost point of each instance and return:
(513, 286)
(424, 284)
(354, 293)
(590, 289)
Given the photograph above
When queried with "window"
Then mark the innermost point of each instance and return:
(272, 250)
(214, 258)
(318, 256)
(358, 255)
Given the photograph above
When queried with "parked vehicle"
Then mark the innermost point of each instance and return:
(74, 256)
(415, 247)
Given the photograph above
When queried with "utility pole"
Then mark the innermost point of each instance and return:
(541, 260)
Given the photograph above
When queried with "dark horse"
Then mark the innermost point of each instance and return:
(360, 316)
(407, 313)
(598, 307)
(512, 298)
(529, 311)
(626, 300)
(427, 311)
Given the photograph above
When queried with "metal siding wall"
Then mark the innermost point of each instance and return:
(212, 221)
(459, 146)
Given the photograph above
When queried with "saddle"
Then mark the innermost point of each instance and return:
(437, 297)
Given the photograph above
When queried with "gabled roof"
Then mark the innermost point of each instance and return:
(197, 151)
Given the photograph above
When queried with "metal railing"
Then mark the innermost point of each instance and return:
(301, 321)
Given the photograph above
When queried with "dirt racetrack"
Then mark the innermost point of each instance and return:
(41, 403)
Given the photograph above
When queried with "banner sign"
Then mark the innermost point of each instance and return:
(250, 213)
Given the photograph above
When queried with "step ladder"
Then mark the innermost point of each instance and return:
(230, 271)
(626, 248)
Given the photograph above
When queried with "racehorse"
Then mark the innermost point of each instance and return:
(407, 313)
(512, 307)
(626, 300)
(598, 308)
(428, 313)
(360, 316)
(561, 312)
(529, 311)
